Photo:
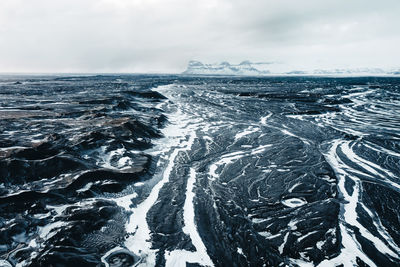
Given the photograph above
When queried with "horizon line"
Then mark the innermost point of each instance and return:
(333, 75)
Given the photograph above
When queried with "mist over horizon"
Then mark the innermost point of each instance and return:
(163, 36)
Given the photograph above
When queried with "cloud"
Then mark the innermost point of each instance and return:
(162, 36)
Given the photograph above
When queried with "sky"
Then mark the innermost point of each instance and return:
(161, 36)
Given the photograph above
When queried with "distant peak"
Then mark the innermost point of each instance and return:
(195, 63)
(245, 62)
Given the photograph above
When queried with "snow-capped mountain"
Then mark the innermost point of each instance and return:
(225, 68)
(247, 68)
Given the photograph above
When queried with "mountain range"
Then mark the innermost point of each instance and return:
(248, 68)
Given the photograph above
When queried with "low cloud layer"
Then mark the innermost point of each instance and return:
(163, 35)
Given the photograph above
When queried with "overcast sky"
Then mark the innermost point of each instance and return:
(163, 35)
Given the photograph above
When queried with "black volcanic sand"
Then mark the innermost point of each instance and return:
(55, 133)
(69, 146)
